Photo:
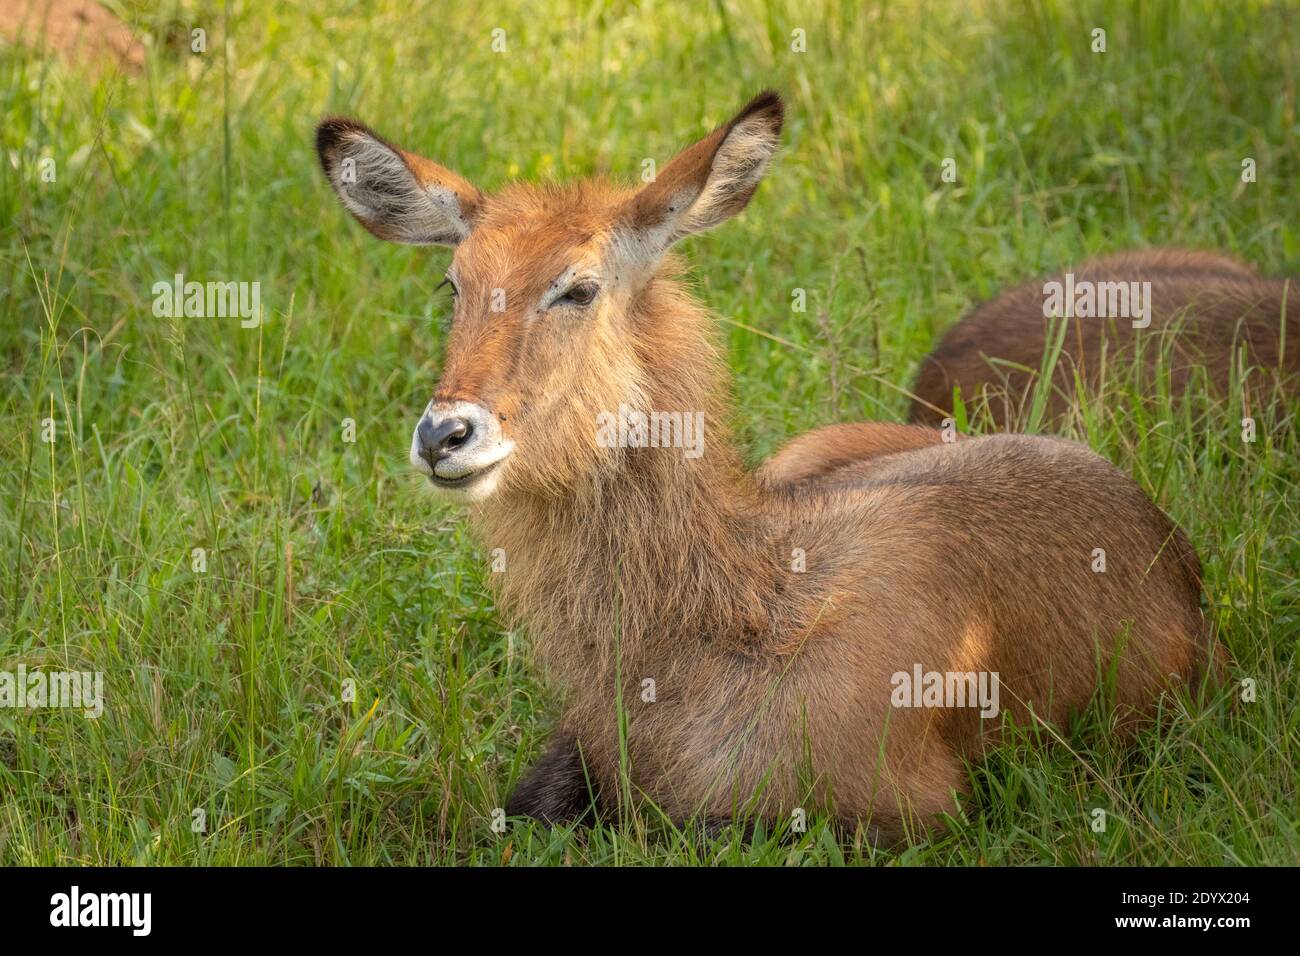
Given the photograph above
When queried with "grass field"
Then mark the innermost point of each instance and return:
(326, 560)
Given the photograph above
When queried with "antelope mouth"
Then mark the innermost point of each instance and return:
(466, 479)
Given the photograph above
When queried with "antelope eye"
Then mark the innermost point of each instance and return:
(581, 294)
(447, 282)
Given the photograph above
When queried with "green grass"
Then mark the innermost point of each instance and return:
(224, 687)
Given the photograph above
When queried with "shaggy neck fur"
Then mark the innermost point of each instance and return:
(658, 559)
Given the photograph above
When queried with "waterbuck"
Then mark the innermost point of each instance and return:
(1176, 314)
(730, 644)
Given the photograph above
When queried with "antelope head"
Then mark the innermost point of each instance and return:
(550, 284)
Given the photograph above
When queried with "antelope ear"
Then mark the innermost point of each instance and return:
(397, 195)
(710, 181)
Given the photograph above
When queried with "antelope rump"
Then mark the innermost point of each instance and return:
(1197, 314)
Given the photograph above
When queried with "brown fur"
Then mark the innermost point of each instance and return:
(1204, 306)
(967, 556)
(815, 454)
(772, 686)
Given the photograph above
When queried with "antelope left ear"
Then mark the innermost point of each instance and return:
(709, 182)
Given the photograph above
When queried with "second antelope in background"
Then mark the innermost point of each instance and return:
(1175, 313)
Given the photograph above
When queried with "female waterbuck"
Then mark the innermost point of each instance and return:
(730, 644)
(1171, 314)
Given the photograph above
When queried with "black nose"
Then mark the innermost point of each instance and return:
(437, 441)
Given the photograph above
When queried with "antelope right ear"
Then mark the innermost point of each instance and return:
(709, 181)
(397, 195)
